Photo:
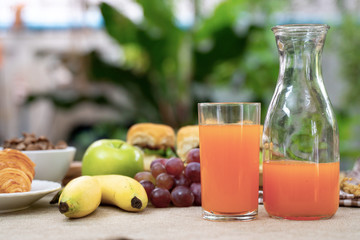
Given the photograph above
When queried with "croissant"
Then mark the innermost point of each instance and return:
(11, 158)
(13, 180)
(16, 171)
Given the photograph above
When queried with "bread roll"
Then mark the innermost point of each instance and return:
(187, 139)
(150, 135)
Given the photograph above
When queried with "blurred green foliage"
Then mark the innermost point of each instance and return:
(229, 55)
(347, 47)
(169, 68)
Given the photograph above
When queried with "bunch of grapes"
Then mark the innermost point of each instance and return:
(170, 181)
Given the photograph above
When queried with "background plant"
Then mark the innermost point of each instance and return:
(228, 55)
(347, 46)
(168, 69)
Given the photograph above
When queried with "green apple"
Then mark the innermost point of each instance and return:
(112, 156)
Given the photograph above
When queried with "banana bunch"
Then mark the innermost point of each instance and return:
(83, 195)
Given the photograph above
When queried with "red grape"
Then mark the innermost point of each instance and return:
(182, 180)
(160, 197)
(157, 168)
(144, 176)
(164, 180)
(160, 160)
(192, 171)
(149, 186)
(182, 197)
(174, 166)
(195, 188)
(193, 155)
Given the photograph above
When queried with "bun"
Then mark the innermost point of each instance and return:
(187, 139)
(148, 159)
(151, 135)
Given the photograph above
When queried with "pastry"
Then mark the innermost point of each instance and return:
(13, 180)
(187, 139)
(156, 140)
(11, 158)
(16, 171)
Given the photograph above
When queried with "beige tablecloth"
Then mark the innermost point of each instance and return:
(43, 221)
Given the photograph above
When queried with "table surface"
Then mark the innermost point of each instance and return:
(44, 221)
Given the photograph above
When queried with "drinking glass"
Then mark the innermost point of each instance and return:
(229, 152)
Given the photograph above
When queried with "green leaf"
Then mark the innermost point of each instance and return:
(158, 16)
(219, 52)
(165, 153)
(224, 16)
(118, 25)
(139, 85)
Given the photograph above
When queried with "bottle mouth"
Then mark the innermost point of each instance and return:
(300, 29)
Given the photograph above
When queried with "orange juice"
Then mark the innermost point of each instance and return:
(229, 168)
(301, 190)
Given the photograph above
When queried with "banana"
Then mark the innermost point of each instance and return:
(123, 192)
(56, 197)
(80, 197)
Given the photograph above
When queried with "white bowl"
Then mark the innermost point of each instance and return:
(51, 165)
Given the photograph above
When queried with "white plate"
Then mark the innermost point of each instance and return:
(17, 201)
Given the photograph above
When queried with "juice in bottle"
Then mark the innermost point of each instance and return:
(229, 168)
(301, 190)
(301, 136)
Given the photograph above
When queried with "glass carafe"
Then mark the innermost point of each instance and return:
(300, 138)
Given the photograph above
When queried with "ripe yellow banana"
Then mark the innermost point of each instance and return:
(80, 197)
(124, 192)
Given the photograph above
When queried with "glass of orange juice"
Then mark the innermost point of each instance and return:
(229, 152)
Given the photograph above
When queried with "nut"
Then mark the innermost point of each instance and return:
(31, 142)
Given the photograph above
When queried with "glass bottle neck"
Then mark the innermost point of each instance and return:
(300, 48)
(300, 57)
